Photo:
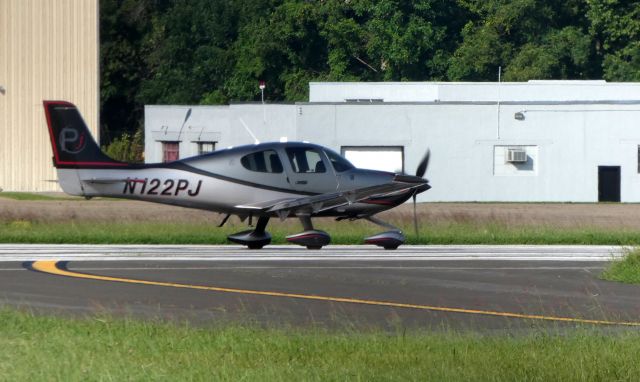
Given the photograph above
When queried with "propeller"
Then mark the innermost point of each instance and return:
(420, 171)
(424, 163)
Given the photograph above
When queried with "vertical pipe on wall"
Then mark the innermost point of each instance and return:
(498, 108)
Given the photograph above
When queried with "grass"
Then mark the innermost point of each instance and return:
(626, 269)
(83, 232)
(37, 348)
(40, 218)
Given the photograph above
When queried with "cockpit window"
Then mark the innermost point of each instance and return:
(305, 160)
(262, 161)
(339, 163)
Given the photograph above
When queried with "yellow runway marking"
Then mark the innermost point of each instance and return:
(51, 267)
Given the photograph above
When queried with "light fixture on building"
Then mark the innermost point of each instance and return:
(262, 84)
(2, 89)
(519, 116)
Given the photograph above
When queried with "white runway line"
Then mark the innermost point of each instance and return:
(87, 252)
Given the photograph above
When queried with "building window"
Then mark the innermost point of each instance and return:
(170, 151)
(383, 158)
(206, 147)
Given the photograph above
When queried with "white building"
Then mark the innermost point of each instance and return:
(552, 141)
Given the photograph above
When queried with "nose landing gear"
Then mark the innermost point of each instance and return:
(310, 237)
(389, 239)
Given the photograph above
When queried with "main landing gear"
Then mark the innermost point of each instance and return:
(253, 238)
(310, 238)
(389, 239)
(258, 237)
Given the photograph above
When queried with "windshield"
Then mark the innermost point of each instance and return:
(339, 163)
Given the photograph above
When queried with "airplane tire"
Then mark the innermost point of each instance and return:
(255, 246)
(314, 247)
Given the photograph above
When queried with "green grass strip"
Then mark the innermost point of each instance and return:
(37, 348)
(129, 232)
(626, 269)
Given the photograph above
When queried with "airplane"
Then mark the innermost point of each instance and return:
(264, 180)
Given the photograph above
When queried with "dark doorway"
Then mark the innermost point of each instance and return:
(608, 183)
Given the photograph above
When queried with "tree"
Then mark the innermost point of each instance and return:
(123, 26)
(187, 53)
(216, 51)
(282, 47)
(529, 38)
(616, 27)
(410, 40)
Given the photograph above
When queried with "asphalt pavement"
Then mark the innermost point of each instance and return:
(421, 287)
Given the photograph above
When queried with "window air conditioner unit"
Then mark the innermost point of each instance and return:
(516, 156)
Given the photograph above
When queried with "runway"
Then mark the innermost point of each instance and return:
(471, 287)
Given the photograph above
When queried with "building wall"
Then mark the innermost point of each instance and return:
(565, 145)
(565, 141)
(48, 50)
(224, 125)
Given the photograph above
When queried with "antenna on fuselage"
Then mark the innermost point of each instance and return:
(256, 141)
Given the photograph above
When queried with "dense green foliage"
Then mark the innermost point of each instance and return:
(127, 147)
(36, 348)
(216, 51)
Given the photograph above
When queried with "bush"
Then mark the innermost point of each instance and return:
(127, 148)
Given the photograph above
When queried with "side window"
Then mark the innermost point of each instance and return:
(305, 160)
(262, 161)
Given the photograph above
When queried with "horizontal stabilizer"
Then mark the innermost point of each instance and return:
(104, 180)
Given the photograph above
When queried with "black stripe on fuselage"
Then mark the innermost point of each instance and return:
(178, 165)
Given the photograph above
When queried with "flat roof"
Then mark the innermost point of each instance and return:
(531, 91)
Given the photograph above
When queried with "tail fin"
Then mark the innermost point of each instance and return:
(72, 143)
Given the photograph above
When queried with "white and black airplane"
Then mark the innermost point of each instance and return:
(280, 179)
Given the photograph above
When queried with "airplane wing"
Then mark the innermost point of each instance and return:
(322, 202)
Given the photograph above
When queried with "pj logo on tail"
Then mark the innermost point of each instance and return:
(71, 141)
(263, 181)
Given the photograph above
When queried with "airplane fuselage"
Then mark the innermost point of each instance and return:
(222, 180)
